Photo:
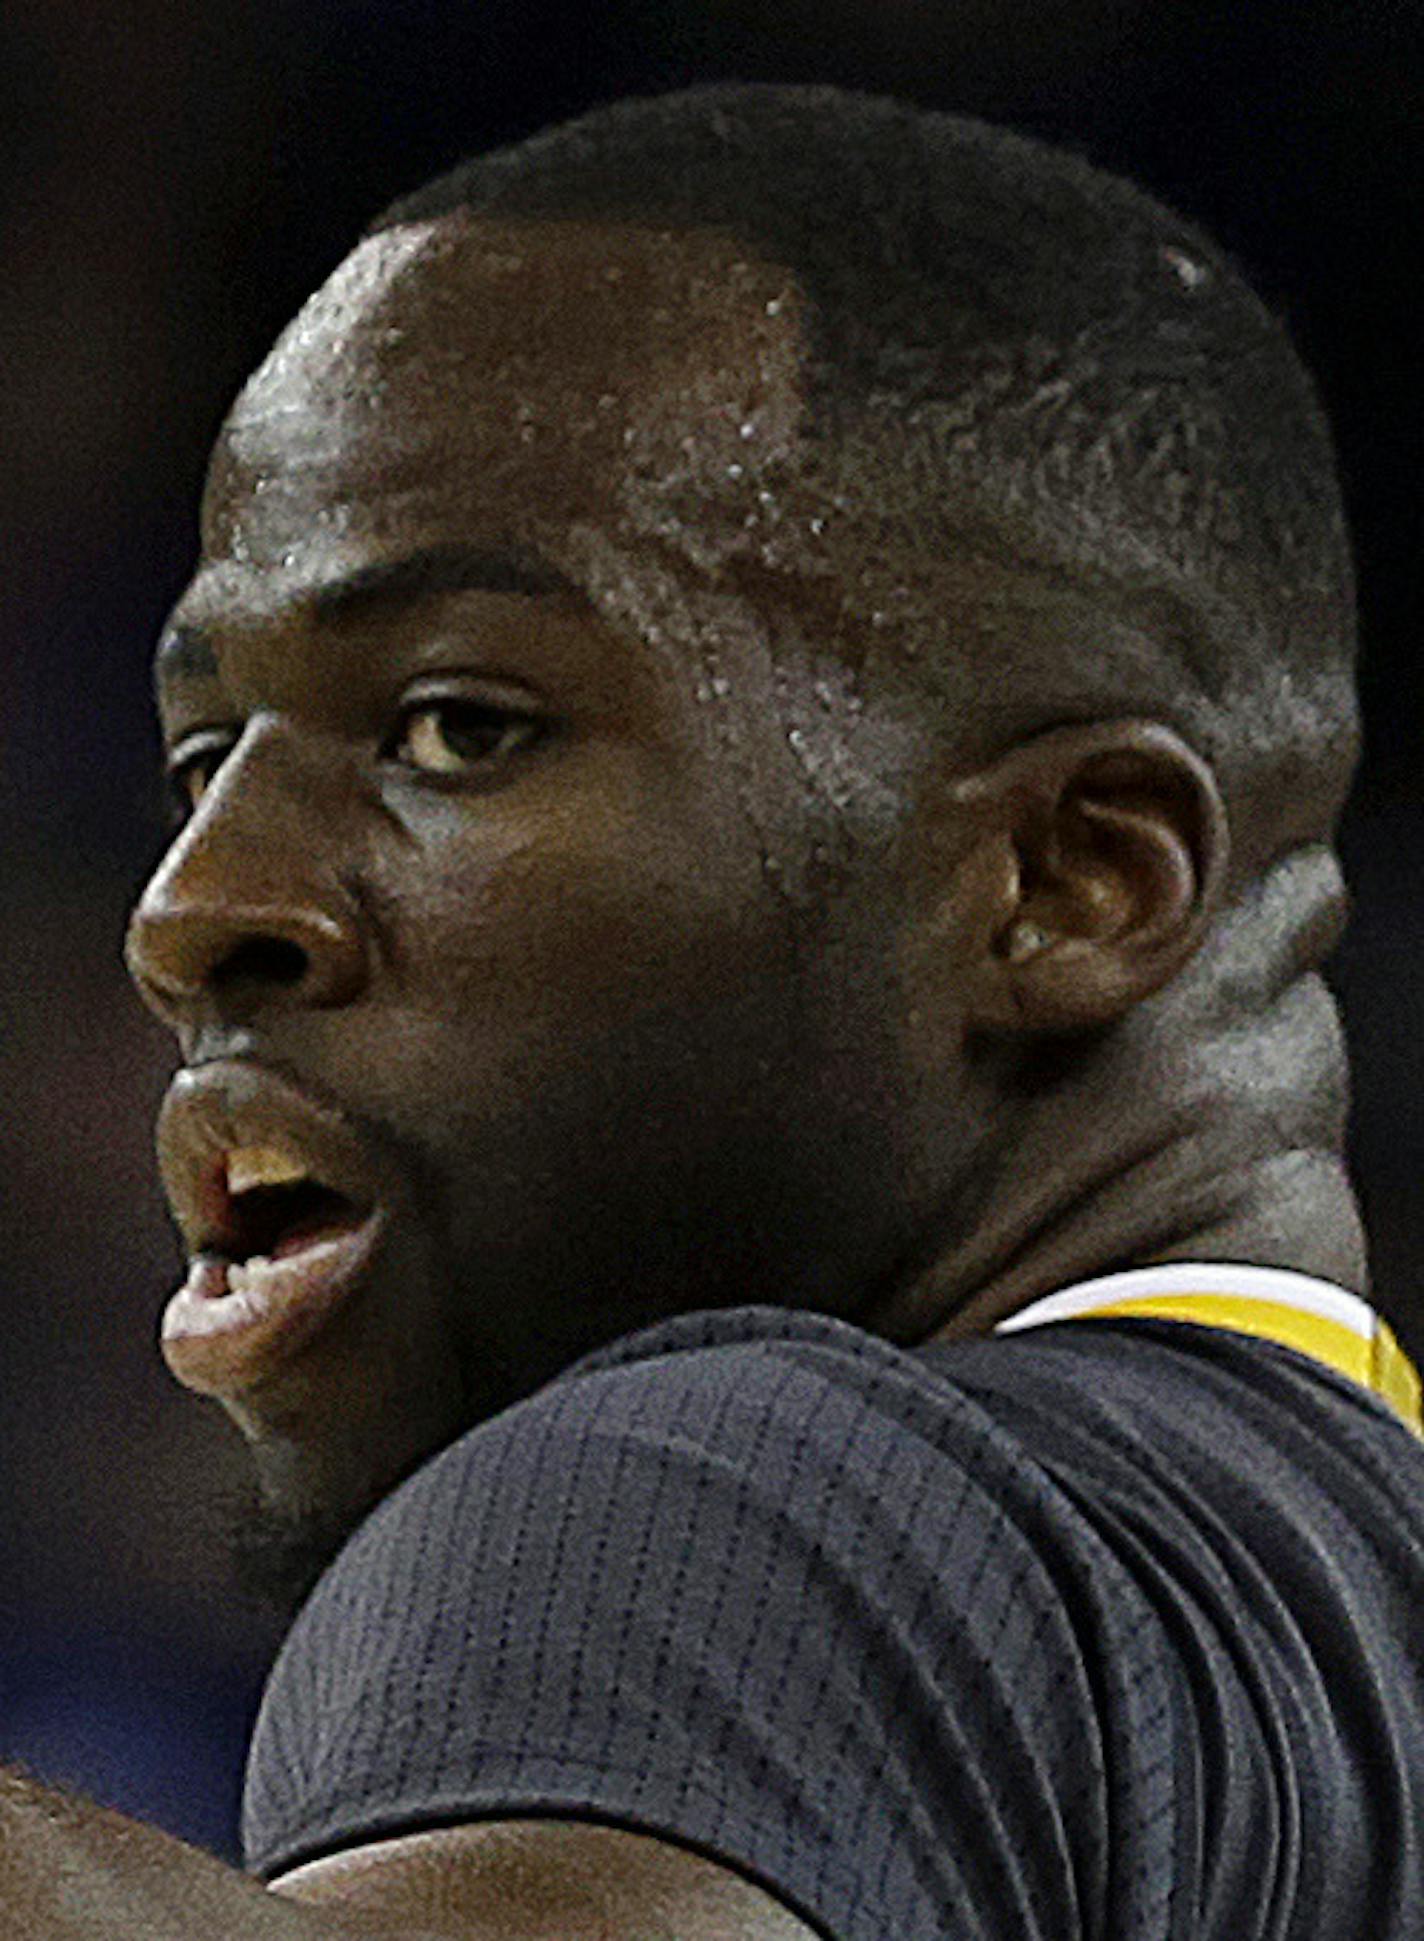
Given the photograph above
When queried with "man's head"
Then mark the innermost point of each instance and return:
(757, 661)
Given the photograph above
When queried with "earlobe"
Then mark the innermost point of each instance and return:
(1119, 839)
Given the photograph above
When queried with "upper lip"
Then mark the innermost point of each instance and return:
(214, 1108)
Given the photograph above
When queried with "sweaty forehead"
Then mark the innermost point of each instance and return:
(523, 358)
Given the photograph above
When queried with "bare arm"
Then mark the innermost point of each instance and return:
(71, 1871)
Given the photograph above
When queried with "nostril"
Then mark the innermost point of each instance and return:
(266, 960)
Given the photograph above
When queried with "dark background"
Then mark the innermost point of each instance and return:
(176, 178)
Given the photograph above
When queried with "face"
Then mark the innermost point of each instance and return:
(503, 1030)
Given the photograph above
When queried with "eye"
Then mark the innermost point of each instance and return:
(448, 735)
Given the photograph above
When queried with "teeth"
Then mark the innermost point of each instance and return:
(241, 1274)
(249, 1166)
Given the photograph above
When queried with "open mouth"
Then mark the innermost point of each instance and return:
(275, 1246)
(274, 1220)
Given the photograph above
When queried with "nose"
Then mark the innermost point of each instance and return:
(242, 913)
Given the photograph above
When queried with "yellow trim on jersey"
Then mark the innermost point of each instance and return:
(1374, 1360)
(1397, 1379)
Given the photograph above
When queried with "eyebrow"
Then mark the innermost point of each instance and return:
(187, 652)
(439, 569)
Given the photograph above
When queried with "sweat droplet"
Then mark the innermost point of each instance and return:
(1191, 273)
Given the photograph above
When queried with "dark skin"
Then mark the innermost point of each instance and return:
(556, 964)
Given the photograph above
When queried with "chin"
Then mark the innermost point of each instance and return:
(278, 1553)
(287, 1523)
(314, 1480)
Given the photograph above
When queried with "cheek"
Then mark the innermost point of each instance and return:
(574, 967)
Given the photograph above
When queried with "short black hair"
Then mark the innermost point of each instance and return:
(998, 327)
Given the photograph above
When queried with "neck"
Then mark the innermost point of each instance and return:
(1292, 1209)
(1208, 1125)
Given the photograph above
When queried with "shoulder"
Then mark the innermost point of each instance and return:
(725, 1582)
(764, 1390)
(899, 1634)
(733, 1428)
(729, 1428)
(715, 1433)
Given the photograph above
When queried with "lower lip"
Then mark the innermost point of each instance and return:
(221, 1341)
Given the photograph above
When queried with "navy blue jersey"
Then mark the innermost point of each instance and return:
(1110, 1629)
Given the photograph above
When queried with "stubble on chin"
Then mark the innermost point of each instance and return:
(277, 1556)
(277, 1553)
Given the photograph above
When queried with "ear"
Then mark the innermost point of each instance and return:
(1095, 864)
